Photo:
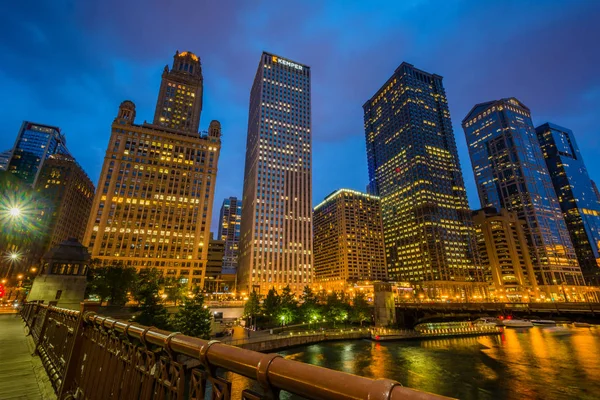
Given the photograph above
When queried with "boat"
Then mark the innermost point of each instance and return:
(487, 321)
(543, 322)
(517, 323)
(581, 325)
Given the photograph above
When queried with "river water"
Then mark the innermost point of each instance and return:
(536, 363)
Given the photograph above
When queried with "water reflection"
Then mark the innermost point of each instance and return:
(550, 363)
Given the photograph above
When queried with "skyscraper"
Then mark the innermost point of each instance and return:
(154, 200)
(180, 97)
(214, 264)
(348, 240)
(230, 219)
(414, 168)
(68, 193)
(576, 195)
(5, 157)
(276, 232)
(35, 143)
(510, 173)
(504, 254)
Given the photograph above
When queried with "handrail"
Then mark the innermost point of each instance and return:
(105, 345)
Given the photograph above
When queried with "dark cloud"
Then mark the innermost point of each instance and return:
(70, 63)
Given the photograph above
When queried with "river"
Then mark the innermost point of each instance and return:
(537, 363)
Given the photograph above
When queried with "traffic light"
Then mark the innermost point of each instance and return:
(1, 291)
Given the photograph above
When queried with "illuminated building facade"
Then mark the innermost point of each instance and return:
(504, 253)
(153, 204)
(276, 231)
(68, 193)
(35, 143)
(510, 173)
(576, 195)
(180, 97)
(414, 168)
(230, 219)
(5, 157)
(214, 264)
(348, 240)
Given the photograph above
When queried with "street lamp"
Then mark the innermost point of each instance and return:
(14, 212)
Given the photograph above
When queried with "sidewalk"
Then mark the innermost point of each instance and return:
(22, 375)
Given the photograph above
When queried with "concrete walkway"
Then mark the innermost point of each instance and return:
(22, 375)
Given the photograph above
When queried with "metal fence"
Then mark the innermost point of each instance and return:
(92, 357)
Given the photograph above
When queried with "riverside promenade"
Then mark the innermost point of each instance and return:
(22, 375)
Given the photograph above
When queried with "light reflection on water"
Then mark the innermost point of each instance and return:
(549, 363)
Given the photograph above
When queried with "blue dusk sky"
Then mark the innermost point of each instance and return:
(70, 64)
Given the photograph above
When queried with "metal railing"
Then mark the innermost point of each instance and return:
(92, 357)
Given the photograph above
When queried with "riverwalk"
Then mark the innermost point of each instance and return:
(22, 375)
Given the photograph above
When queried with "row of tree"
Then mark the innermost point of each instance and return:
(285, 309)
(148, 288)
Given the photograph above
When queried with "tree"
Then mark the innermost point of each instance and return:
(194, 319)
(271, 304)
(288, 306)
(153, 313)
(360, 311)
(252, 307)
(336, 308)
(310, 311)
(112, 283)
(174, 289)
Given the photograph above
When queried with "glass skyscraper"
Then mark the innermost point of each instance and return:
(510, 173)
(34, 144)
(276, 234)
(230, 219)
(576, 195)
(414, 168)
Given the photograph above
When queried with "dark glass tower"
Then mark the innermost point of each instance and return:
(414, 168)
(510, 173)
(230, 219)
(276, 234)
(34, 144)
(576, 195)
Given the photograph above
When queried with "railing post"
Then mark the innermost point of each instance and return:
(43, 328)
(74, 355)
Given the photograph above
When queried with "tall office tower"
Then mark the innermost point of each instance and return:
(214, 264)
(510, 173)
(276, 232)
(414, 168)
(68, 193)
(230, 219)
(576, 195)
(504, 253)
(5, 157)
(348, 240)
(179, 101)
(153, 205)
(34, 144)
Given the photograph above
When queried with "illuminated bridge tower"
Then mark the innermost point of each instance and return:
(414, 168)
(510, 173)
(276, 230)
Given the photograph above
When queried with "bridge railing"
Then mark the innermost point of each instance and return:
(92, 357)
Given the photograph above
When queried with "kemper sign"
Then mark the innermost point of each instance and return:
(286, 62)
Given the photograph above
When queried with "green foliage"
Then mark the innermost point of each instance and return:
(174, 289)
(111, 283)
(252, 306)
(360, 311)
(271, 304)
(288, 307)
(153, 313)
(193, 319)
(310, 310)
(337, 308)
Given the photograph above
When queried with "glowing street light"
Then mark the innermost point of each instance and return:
(15, 212)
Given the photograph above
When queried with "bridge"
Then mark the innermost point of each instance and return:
(87, 356)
